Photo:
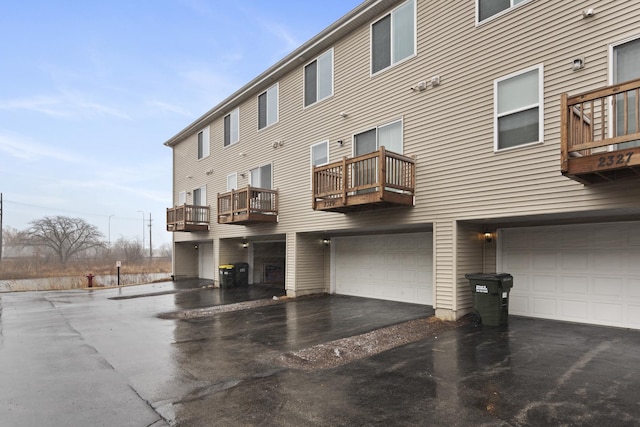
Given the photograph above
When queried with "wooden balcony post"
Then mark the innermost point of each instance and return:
(564, 134)
(382, 171)
(314, 188)
(344, 180)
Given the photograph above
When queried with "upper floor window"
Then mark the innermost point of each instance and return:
(232, 182)
(518, 108)
(203, 143)
(393, 37)
(232, 127)
(200, 196)
(318, 78)
(268, 107)
(388, 136)
(261, 177)
(320, 153)
(488, 8)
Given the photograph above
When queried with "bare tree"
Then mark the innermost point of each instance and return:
(65, 236)
(130, 251)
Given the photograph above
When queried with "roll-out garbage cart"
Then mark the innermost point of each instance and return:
(227, 279)
(491, 297)
(241, 274)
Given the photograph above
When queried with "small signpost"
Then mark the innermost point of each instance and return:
(118, 265)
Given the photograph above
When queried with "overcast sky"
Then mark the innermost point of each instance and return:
(90, 91)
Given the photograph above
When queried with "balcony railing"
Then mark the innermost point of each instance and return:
(188, 218)
(379, 179)
(600, 134)
(248, 206)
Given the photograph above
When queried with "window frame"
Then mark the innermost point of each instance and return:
(377, 129)
(277, 112)
(304, 79)
(391, 38)
(540, 106)
(312, 165)
(182, 197)
(235, 113)
(235, 176)
(259, 168)
(501, 13)
(203, 192)
(203, 144)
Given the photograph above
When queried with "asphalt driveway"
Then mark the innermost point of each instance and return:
(105, 358)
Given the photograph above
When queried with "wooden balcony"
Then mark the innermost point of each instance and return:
(600, 134)
(381, 179)
(188, 218)
(248, 206)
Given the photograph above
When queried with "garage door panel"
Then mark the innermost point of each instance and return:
(574, 261)
(574, 285)
(595, 277)
(607, 287)
(575, 310)
(544, 307)
(396, 267)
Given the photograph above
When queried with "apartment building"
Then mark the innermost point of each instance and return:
(415, 141)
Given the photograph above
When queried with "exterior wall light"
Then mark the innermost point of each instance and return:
(577, 64)
(245, 245)
(326, 242)
(488, 237)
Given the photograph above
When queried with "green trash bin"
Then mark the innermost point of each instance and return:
(491, 297)
(241, 274)
(227, 275)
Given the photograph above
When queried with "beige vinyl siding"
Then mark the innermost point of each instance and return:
(231, 252)
(310, 265)
(448, 128)
(469, 247)
(443, 234)
(185, 260)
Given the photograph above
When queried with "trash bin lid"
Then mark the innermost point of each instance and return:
(227, 266)
(488, 276)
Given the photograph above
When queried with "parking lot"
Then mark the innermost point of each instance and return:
(105, 357)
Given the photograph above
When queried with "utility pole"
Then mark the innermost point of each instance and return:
(150, 245)
(1, 241)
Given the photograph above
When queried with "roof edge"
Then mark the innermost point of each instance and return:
(290, 61)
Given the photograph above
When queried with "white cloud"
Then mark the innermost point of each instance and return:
(166, 107)
(68, 105)
(24, 148)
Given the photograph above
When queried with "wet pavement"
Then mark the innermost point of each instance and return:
(105, 358)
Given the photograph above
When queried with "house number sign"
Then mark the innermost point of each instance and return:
(615, 159)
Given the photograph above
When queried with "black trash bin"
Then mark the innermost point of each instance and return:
(241, 273)
(491, 297)
(227, 279)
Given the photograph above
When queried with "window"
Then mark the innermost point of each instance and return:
(518, 108)
(318, 79)
(625, 66)
(393, 37)
(320, 153)
(485, 9)
(232, 182)
(182, 198)
(200, 196)
(389, 136)
(203, 143)
(268, 107)
(261, 177)
(232, 127)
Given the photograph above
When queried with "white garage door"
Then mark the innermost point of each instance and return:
(205, 261)
(581, 273)
(395, 267)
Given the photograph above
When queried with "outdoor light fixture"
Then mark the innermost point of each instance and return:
(326, 241)
(340, 142)
(577, 64)
(588, 13)
(245, 245)
(195, 247)
(488, 237)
